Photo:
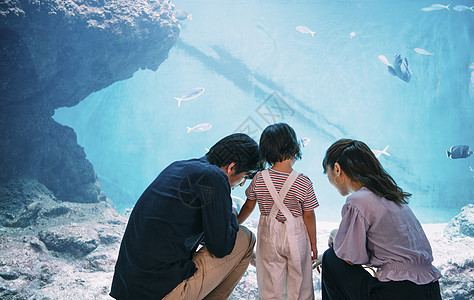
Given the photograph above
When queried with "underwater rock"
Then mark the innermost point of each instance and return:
(102, 262)
(56, 211)
(457, 281)
(30, 267)
(77, 241)
(20, 201)
(56, 53)
(463, 223)
(455, 250)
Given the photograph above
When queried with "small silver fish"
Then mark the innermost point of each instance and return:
(380, 152)
(304, 29)
(436, 7)
(462, 151)
(422, 51)
(182, 15)
(463, 8)
(384, 60)
(192, 94)
(199, 128)
(440, 6)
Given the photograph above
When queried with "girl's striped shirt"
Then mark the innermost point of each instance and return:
(299, 198)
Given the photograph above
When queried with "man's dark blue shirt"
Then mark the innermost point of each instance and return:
(187, 203)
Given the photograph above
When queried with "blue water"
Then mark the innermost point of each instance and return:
(250, 59)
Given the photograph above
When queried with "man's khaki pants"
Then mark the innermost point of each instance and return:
(216, 278)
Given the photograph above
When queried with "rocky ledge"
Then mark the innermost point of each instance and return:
(54, 54)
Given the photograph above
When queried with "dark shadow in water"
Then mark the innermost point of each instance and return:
(238, 73)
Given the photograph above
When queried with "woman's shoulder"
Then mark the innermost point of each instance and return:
(363, 198)
(362, 194)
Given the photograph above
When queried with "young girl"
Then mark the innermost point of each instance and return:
(377, 229)
(286, 238)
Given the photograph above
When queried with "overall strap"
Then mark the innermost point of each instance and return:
(278, 197)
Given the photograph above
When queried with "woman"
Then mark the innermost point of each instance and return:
(377, 229)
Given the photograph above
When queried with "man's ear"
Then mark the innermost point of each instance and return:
(230, 168)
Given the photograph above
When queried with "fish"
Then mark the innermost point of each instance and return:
(384, 60)
(380, 152)
(304, 29)
(199, 128)
(352, 34)
(400, 68)
(192, 94)
(463, 8)
(436, 7)
(461, 151)
(304, 142)
(422, 51)
(471, 66)
(182, 15)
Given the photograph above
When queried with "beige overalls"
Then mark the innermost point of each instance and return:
(283, 250)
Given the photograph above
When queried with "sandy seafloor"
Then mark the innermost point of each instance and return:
(445, 249)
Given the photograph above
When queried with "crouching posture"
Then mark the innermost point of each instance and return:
(187, 204)
(377, 229)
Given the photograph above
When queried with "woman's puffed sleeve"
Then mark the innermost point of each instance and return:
(351, 239)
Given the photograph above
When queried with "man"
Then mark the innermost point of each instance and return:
(189, 203)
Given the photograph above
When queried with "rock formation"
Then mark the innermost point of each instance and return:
(54, 54)
(456, 248)
(59, 235)
(51, 249)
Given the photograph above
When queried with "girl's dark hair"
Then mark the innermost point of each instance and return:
(360, 164)
(278, 142)
(238, 148)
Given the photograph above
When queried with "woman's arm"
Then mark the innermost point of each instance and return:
(246, 210)
(309, 220)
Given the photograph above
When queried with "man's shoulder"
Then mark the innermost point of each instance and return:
(199, 166)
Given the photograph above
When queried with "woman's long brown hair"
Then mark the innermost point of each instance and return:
(360, 164)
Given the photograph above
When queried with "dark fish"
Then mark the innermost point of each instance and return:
(462, 151)
(400, 68)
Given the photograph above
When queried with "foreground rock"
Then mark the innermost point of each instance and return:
(55, 250)
(455, 248)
